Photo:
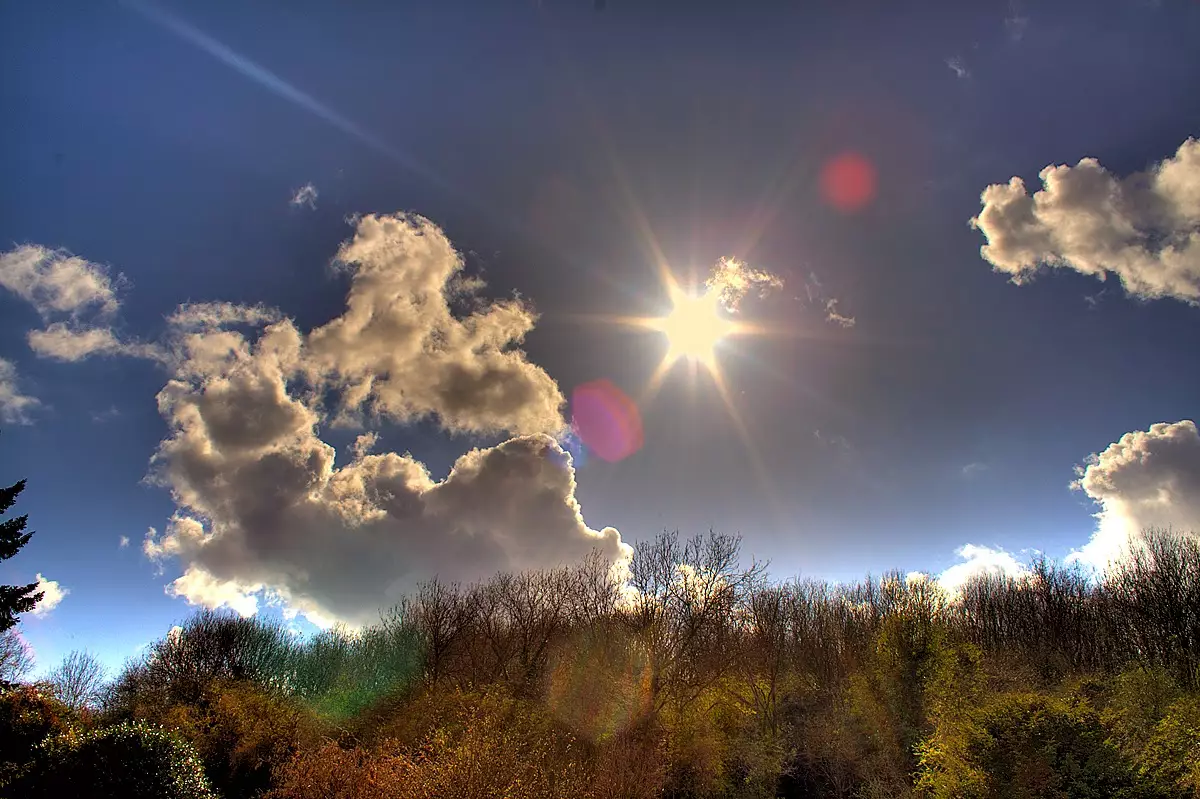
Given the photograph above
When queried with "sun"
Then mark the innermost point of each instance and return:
(694, 327)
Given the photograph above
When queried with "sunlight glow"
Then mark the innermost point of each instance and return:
(694, 328)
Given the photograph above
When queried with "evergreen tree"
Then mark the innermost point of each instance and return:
(14, 599)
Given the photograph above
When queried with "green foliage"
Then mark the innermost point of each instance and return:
(1172, 753)
(126, 761)
(340, 674)
(1023, 745)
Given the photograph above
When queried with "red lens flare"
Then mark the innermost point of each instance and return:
(606, 420)
(848, 182)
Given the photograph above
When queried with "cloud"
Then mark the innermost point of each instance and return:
(107, 415)
(1147, 478)
(732, 280)
(979, 560)
(832, 315)
(15, 407)
(212, 315)
(816, 296)
(52, 595)
(60, 284)
(123, 542)
(1143, 229)
(306, 195)
(960, 70)
(262, 511)
(61, 342)
(401, 352)
(974, 468)
(1015, 22)
(57, 282)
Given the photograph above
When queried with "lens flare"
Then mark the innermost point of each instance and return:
(848, 182)
(606, 420)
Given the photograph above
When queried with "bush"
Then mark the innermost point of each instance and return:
(1029, 745)
(1172, 755)
(493, 747)
(125, 761)
(28, 714)
(241, 734)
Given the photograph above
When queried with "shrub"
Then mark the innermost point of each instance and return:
(493, 747)
(28, 714)
(241, 734)
(1172, 755)
(1028, 745)
(125, 761)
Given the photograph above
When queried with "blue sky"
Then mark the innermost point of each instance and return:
(556, 147)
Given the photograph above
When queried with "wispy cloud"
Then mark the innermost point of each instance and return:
(57, 282)
(305, 196)
(106, 415)
(123, 542)
(732, 280)
(61, 342)
(832, 315)
(973, 469)
(15, 407)
(1015, 22)
(816, 296)
(960, 69)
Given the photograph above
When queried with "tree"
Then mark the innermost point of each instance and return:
(78, 680)
(14, 599)
(16, 659)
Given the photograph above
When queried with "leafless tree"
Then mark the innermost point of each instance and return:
(78, 681)
(687, 595)
(438, 615)
(16, 658)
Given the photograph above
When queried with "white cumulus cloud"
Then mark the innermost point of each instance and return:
(1143, 229)
(15, 407)
(1147, 478)
(976, 560)
(399, 350)
(263, 512)
(52, 595)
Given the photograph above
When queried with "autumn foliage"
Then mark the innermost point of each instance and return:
(694, 675)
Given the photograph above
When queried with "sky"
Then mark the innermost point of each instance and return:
(302, 304)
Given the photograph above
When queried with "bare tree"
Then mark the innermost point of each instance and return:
(687, 597)
(16, 658)
(78, 680)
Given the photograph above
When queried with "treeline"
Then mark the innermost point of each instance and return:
(698, 677)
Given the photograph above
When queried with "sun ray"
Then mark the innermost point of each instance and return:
(756, 462)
